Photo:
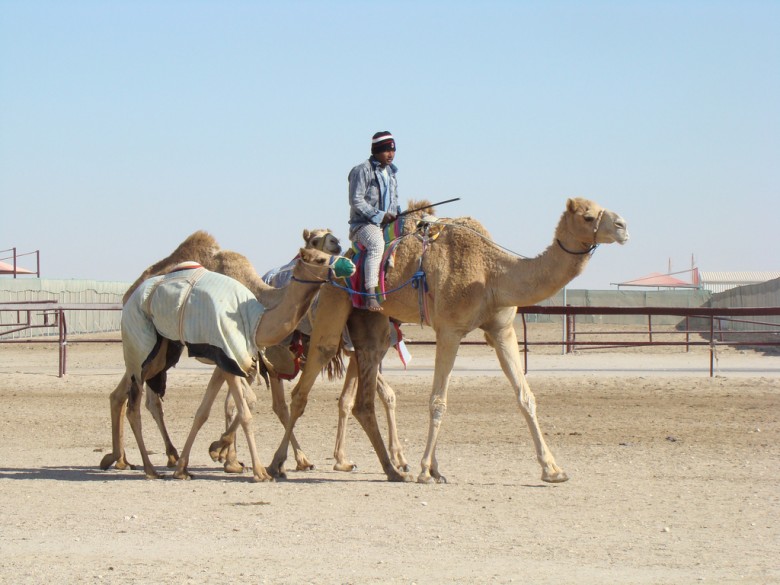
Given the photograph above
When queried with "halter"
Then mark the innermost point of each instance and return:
(593, 246)
(324, 241)
(336, 268)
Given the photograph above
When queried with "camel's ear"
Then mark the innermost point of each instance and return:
(306, 235)
(571, 205)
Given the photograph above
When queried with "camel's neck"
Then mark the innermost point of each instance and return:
(527, 281)
(285, 307)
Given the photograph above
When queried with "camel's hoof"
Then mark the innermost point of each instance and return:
(428, 478)
(172, 461)
(154, 475)
(108, 461)
(404, 468)
(278, 472)
(349, 466)
(424, 478)
(557, 477)
(262, 478)
(217, 451)
(184, 474)
(304, 466)
(234, 467)
(400, 477)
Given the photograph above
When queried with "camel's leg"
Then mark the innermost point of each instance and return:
(154, 405)
(327, 326)
(504, 340)
(244, 416)
(283, 414)
(224, 449)
(446, 349)
(346, 403)
(118, 401)
(134, 418)
(387, 396)
(369, 331)
(201, 416)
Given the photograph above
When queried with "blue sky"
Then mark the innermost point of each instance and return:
(125, 126)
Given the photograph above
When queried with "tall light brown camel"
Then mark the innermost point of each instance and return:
(220, 321)
(202, 248)
(469, 283)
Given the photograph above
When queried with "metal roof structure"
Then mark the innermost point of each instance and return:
(722, 281)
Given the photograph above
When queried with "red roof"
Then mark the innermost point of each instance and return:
(658, 279)
(9, 269)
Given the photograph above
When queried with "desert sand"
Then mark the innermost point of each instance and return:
(674, 478)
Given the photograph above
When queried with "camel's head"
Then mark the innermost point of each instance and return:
(321, 266)
(322, 239)
(590, 224)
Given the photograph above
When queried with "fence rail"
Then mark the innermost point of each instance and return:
(52, 314)
(715, 316)
(53, 317)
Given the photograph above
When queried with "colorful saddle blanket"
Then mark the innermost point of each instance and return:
(391, 232)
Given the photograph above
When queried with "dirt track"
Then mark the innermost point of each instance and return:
(674, 480)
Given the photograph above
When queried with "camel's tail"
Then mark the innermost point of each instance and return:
(335, 368)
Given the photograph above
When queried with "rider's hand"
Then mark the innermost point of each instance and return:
(389, 216)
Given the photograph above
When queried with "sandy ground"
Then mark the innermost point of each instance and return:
(674, 479)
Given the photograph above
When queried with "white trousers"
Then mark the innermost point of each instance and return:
(372, 238)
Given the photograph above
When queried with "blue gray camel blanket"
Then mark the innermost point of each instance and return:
(213, 315)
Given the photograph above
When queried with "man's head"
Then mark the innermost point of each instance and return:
(383, 147)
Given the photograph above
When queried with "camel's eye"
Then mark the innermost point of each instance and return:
(589, 218)
(316, 242)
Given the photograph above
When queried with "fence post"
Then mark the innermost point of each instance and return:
(712, 345)
(650, 327)
(63, 341)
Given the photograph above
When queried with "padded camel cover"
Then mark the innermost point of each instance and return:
(215, 316)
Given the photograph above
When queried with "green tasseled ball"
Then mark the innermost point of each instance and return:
(343, 267)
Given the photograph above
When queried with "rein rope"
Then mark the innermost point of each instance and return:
(418, 280)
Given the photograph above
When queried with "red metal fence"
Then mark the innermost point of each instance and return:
(714, 334)
(53, 317)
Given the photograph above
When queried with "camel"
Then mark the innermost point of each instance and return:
(221, 322)
(468, 282)
(202, 248)
(224, 449)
